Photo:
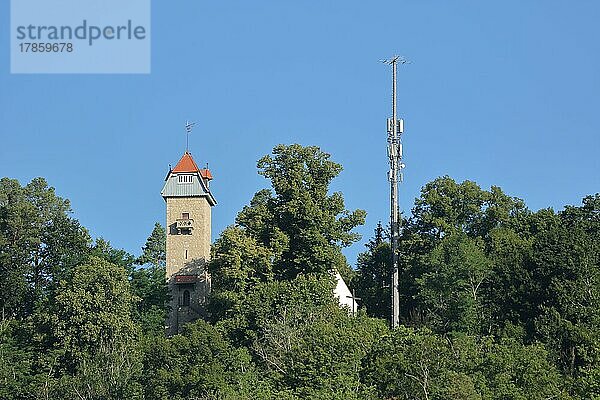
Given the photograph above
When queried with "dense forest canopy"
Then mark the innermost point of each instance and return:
(497, 301)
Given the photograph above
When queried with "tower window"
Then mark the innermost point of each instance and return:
(185, 215)
(186, 298)
(184, 178)
(186, 254)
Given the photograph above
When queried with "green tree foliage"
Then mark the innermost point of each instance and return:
(119, 257)
(587, 385)
(373, 277)
(18, 375)
(148, 283)
(298, 301)
(39, 243)
(300, 338)
(296, 228)
(199, 364)
(92, 310)
(273, 284)
(417, 364)
(316, 223)
(154, 251)
(444, 256)
(451, 289)
(480, 262)
(325, 360)
(446, 207)
(81, 343)
(567, 264)
(239, 263)
(91, 324)
(498, 302)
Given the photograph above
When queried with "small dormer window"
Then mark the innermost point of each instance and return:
(184, 178)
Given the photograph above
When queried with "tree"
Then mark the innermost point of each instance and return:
(39, 244)
(239, 263)
(119, 257)
(417, 364)
(200, 364)
(154, 251)
(462, 211)
(18, 373)
(410, 364)
(446, 206)
(149, 285)
(296, 228)
(451, 290)
(92, 325)
(301, 340)
(567, 265)
(373, 277)
(516, 371)
(316, 224)
(92, 311)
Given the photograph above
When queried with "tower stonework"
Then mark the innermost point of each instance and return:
(189, 201)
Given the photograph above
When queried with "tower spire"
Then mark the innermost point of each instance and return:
(395, 128)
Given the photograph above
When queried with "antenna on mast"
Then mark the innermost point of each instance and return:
(188, 129)
(395, 128)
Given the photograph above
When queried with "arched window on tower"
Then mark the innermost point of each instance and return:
(186, 298)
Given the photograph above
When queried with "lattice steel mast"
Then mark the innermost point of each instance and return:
(395, 128)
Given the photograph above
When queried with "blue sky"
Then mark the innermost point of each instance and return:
(502, 93)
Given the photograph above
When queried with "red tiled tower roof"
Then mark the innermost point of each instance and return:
(206, 174)
(187, 164)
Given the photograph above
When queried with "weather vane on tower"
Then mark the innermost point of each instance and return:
(188, 129)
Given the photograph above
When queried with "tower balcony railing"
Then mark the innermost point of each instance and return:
(185, 223)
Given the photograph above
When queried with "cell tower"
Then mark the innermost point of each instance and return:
(395, 128)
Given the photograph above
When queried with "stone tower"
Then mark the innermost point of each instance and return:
(189, 202)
